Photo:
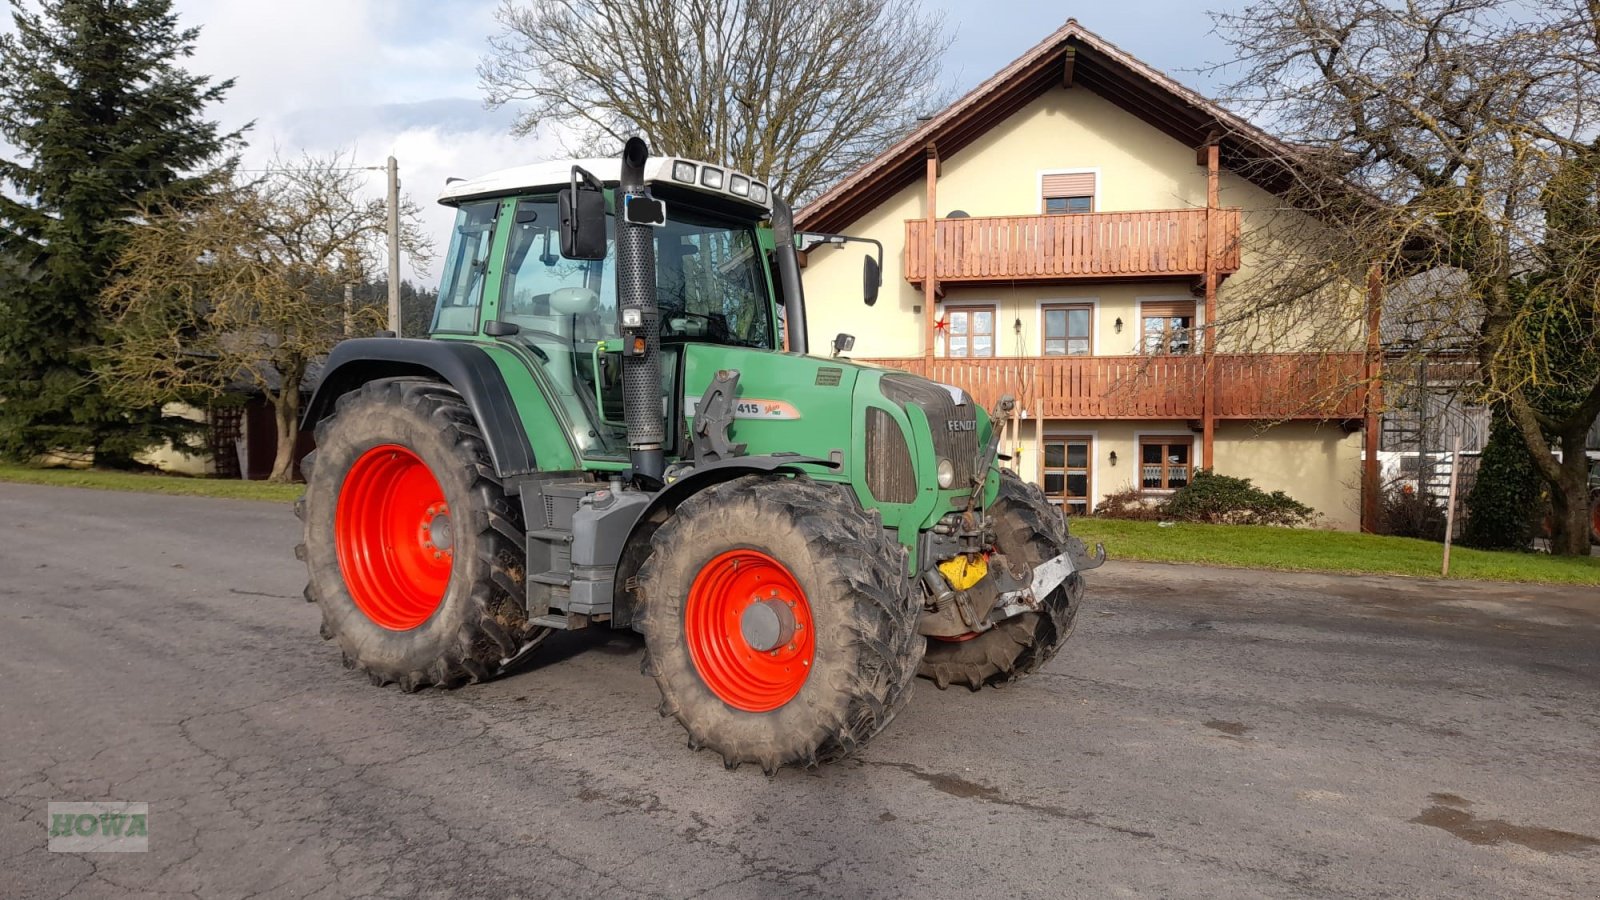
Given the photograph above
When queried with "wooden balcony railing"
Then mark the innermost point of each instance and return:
(1148, 244)
(1252, 386)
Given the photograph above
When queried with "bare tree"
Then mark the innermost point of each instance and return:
(1451, 143)
(248, 288)
(802, 93)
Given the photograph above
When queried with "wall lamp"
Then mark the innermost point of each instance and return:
(1113, 457)
(1118, 324)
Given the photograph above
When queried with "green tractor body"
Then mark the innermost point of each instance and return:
(604, 428)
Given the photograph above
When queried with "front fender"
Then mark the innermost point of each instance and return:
(637, 547)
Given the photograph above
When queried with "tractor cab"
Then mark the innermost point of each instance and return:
(505, 276)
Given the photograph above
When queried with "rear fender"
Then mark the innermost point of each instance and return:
(464, 367)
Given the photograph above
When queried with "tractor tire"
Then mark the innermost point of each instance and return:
(1030, 531)
(803, 561)
(414, 552)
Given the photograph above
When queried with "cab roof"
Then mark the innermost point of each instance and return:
(558, 174)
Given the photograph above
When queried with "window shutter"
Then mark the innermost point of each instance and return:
(1166, 308)
(1078, 184)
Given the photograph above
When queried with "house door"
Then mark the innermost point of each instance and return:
(1067, 470)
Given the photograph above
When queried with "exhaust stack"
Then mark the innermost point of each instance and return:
(640, 322)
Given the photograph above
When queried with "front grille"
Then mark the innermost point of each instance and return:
(891, 478)
(953, 437)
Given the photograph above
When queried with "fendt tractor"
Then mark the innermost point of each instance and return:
(604, 430)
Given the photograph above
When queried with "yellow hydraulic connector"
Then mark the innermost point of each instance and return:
(965, 570)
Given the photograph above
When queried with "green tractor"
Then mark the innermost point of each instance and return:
(604, 430)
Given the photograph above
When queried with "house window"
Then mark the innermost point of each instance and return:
(969, 331)
(1166, 326)
(1067, 330)
(1165, 463)
(1057, 206)
(1064, 193)
(1066, 473)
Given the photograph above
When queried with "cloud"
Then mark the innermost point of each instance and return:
(379, 77)
(366, 78)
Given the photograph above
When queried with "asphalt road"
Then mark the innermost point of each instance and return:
(1207, 733)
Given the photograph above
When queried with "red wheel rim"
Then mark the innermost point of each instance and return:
(732, 591)
(394, 538)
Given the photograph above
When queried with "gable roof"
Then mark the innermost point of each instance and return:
(1072, 54)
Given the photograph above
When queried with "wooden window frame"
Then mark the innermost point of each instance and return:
(1046, 195)
(994, 335)
(1164, 441)
(1168, 310)
(1044, 326)
(1065, 469)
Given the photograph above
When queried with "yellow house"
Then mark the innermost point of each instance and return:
(1063, 233)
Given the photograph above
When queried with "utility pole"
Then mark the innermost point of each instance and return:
(393, 170)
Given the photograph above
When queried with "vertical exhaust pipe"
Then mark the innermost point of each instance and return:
(640, 316)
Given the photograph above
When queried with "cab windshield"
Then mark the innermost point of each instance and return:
(710, 280)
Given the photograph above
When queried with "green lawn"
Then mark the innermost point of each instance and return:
(152, 484)
(1309, 550)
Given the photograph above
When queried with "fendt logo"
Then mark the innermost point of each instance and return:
(99, 827)
(962, 424)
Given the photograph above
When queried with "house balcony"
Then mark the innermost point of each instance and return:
(1167, 243)
(1249, 386)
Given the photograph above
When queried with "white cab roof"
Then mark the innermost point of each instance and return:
(558, 174)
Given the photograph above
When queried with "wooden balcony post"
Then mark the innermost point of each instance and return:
(1372, 401)
(1208, 443)
(930, 256)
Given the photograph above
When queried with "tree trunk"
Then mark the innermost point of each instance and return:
(1569, 498)
(286, 412)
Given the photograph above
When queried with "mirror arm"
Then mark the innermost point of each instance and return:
(794, 298)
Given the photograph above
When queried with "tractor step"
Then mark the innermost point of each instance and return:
(562, 621)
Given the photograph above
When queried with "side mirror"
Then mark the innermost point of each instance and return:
(582, 210)
(843, 343)
(871, 278)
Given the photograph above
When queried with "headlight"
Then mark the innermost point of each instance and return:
(739, 185)
(758, 192)
(683, 171)
(947, 473)
(711, 178)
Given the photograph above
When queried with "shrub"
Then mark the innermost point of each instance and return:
(1225, 499)
(1504, 503)
(1406, 513)
(1209, 498)
(1130, 504)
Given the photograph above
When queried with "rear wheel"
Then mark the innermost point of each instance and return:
(1027, 530)
(413, 550)
(778, 621)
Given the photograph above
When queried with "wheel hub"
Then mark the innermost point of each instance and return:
(437, 533)
(766, 624)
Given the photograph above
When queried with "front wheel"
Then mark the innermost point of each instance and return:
(778, 621)
(1029, 529)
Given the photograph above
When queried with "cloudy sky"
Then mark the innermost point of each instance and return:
(381, 77)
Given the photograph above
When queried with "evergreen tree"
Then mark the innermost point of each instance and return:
(1503, 505)
(105, 123)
